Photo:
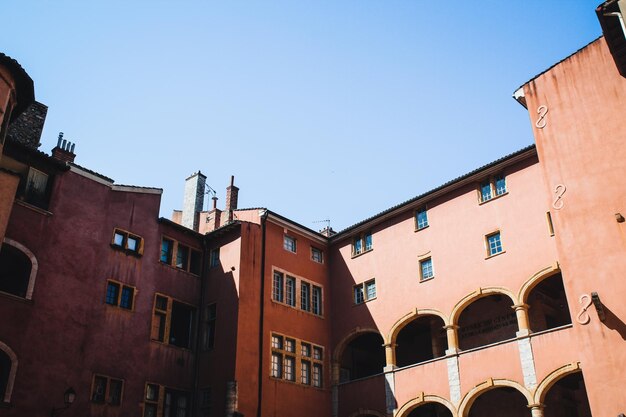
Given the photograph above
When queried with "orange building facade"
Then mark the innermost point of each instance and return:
(497, 293)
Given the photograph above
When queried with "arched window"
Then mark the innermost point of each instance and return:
(362, 357)
(18, 268)
(487, 320)
(8, 369)
(501, 401)
(421, 340)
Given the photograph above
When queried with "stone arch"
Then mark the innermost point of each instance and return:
(34, 265)
(340, 349)
(11, 379)
(478, 294)
(422, 399)
(535, 279)
(366, 412)
(357, 331)
(408, 318)
(469, 398)
(552, 378)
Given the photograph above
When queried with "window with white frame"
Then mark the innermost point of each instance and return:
(365, 291)
(421, 218)
(426, 269)
(277, 286)
(494, 244)
(317, 255)
(289, 243)
(492, 187)
(362, 244)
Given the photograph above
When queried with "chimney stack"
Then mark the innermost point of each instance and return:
(193, 200)
(232, 193)
(64, 151)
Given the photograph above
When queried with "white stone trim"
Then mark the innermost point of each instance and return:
(454, 379)
(34, 265)
(10, 382)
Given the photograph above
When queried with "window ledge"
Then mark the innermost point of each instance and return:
(126, 251)
(172, 346)
(175, 268)
(362, 253)
(427, 279)
(495, 254)
(310, 313)
(364, 302)
(422, 228)
(16, 298)
(33, 208)
(480, 203)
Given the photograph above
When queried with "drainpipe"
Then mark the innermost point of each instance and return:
(263, 215)
(196, 370)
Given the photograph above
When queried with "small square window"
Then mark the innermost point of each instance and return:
(318, 353)
(289, 243)
(317, 255)
(421, 218)
(290, 345)
(106, 388)
(494, 244)
(426, 269)
(277, 342)
(118, 239)
(305, 349)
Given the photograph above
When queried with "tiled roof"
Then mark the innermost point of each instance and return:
(343, 232)
(24, 84)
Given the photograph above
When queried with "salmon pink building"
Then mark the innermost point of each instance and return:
(497, 293)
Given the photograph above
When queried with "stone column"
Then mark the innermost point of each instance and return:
(536, 410)
(521, 311)
(453, 339)
(390, 355)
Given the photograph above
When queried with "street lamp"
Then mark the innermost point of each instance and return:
(68, 398)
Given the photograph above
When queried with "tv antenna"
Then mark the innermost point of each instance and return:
(327, 221)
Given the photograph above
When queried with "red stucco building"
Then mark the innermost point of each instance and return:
(498, 292)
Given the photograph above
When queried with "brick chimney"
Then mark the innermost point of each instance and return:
(214, 217)
(232, 193)
(193, 200)
(64, 151)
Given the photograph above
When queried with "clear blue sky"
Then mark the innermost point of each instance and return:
(321, 109)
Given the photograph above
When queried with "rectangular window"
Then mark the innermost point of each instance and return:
(277, 369)
(215, 257)
(286, 354)
(206, 401)
(128, 294)
(362, 244)
(35, 190)
(317, 255)
(172, 322)
(317, 375)
(209, 319)
(289, 243)
(316, 300)
(305, 296)
(305, 372)
(426, 269)
(421, 218)
(492, 187)
(277, 287)
(119, 295)
(182, 257)
(113, 291)
(176, 403)
(290, 364)
(107, 390)
(365, 291)
(186, 259)
(290, 291)
(151, 403)
(167, 248)
(127, 242)
(494, 244)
